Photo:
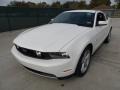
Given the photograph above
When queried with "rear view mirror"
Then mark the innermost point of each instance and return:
(102, 23)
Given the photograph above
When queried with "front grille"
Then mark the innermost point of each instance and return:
(32, 53)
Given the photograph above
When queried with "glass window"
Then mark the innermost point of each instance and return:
(79, 18)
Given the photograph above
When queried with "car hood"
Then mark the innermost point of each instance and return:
(50, 37)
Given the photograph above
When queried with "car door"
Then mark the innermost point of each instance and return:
(100, 30)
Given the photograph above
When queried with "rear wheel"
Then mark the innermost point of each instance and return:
(84, 62)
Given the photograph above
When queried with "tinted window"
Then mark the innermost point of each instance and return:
(78, 18)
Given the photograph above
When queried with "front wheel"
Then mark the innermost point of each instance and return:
(107, 40)
(84, 62)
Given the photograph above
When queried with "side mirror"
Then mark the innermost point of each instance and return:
(102, 23)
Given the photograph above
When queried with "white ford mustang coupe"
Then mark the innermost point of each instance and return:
(64, 46)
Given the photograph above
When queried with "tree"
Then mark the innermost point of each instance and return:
(67, 4)
(82, 5)
(21, 4)
(31, 4)
(42, 5)
(117, 4)
(108, 3)
(75, 5)
(18, 4)
(28, 4)
(94, 3)
(56, 4)
(117, 1)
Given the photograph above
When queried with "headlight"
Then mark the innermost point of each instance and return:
(58, 55)
(52, 55)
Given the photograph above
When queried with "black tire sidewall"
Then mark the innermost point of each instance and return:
(107, 40)
(79, 65)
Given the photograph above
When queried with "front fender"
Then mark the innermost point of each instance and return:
(75, 49)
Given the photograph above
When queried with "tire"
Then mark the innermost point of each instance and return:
(81, 69)
(107, 40)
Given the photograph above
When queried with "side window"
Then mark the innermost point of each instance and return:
(100, 17)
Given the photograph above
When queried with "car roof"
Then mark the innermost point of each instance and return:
(92, 11)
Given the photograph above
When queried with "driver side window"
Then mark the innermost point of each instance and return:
(100, 17)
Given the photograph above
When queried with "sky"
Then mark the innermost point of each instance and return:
(5, 2)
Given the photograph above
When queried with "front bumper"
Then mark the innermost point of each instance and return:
(55, 67)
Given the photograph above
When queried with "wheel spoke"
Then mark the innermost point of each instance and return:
(85, 61)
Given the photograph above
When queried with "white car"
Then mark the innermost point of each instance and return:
(65, 45)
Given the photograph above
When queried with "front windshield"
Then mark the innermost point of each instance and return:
(79, 18)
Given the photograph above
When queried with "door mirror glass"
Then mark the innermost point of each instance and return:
(102, 23)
